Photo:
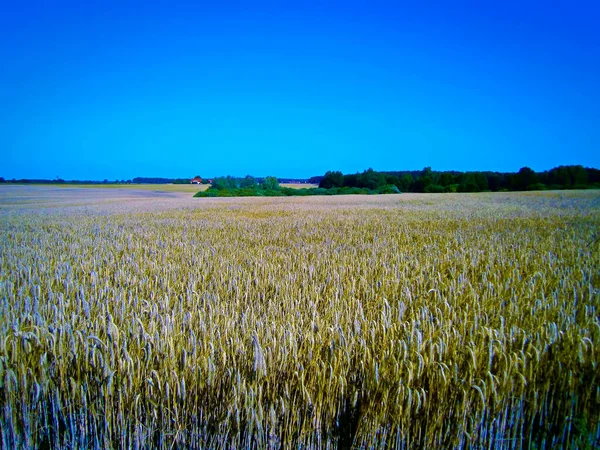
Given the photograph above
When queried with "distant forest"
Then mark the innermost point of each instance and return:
(428, 180)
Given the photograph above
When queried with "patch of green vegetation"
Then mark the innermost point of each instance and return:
(291, 192)
(269, 187)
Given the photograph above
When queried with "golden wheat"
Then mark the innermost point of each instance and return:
(409, 321)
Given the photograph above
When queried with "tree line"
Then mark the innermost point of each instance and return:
(428, 180)
(250, 186)
(371, 181)
(137, 180)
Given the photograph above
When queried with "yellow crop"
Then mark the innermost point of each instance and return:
(436, 321)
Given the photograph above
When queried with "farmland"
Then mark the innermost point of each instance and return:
(193, 188)
(135, 319)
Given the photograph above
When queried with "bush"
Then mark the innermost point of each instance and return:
(261, 191)
(389, 189)
(434, 188)
(537, 187)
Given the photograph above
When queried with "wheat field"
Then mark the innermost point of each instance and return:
(398, 321)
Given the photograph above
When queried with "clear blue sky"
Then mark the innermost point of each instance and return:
(94, 90)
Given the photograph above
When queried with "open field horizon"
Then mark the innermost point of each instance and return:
(439, 289)
(154, 187)
(146, 319)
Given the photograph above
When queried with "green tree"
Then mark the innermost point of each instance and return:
(468, 182)
(579, 177)
(332, 179)
(406, 182)
(481, 181)
(248, 182)
(559, 176)
(370, 179)
(447, 178)
(494, 181)
(270, 184)
(228, 182)
(427, 178)
(525, 178)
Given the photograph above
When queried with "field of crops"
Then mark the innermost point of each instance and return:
(398, 321)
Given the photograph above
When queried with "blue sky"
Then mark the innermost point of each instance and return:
(94, 90)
